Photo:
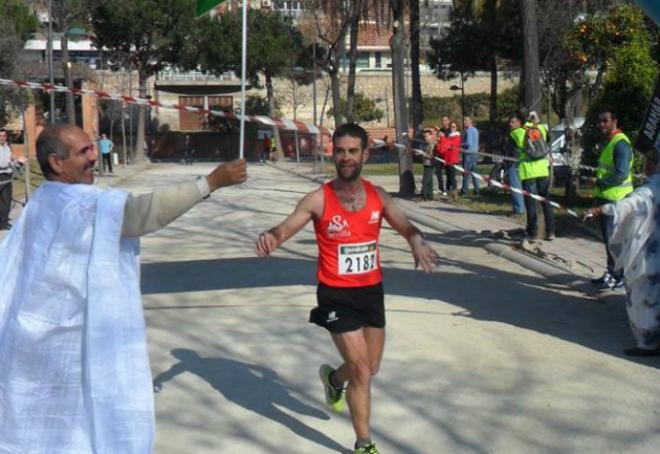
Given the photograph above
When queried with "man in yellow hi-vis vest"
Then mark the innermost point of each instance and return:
(535, 177)
(613, 183)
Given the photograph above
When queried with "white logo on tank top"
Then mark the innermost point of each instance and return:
(338, 227)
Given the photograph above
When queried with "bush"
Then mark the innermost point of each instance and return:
(477, 105)
(627, 90)
(364, 109)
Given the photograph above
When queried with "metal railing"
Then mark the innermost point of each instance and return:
(194, 76)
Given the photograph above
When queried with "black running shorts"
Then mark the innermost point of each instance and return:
(341, 310)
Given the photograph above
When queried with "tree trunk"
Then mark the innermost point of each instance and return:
(352, 60)
(271, 110)
(492, 25)
(398, 46)
(139, 155)
(69, 100)
(531, 72)
(493, 89)
(336, 97)
(417, 101)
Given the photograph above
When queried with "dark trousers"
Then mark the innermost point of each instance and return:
(5, 199)
(451, 178)
(427, 182)
(107, 162)
(438, 173)
(539, 186)
(606, 223)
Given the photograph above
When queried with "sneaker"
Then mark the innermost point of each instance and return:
(369, 449)
(604, 279)
(334, 398)
(550, 237)
(530, 236)
(618, 285)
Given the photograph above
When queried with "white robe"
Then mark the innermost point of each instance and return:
(635, 246)
(74, 369)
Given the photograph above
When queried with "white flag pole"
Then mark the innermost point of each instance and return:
(243, 76)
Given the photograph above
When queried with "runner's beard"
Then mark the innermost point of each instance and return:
(348, 174)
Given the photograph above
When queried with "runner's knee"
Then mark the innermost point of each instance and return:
(360, 372)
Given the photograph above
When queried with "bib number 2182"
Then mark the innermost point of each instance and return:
(358, 258)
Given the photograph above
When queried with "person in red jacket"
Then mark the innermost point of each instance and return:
(450, 146)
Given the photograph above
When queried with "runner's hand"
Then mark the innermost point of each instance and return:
(424, 254)
(266, 244)
(228, 174)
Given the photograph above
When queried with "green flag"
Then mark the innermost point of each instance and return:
(204, 6)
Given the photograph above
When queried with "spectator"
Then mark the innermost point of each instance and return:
(105, 147)
(188, 151)
(429, 165)
(266, 148)
(75, 374)
(470, 148)
(8, 164)
(515, 145)
(535, 177)
(633, 245)
(451, 147)
(439, 166)
(613, 183)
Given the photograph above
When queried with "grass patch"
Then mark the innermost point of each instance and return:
(391, 168)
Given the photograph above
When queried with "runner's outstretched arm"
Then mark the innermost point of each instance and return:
(423, 253)
(311, 205)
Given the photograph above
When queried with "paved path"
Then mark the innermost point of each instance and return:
(482, 356)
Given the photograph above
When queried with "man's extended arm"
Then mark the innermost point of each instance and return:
(149, 212)
(304, 212)
(423, 254)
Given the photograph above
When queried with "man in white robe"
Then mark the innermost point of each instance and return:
(635, 246)
(74, 368)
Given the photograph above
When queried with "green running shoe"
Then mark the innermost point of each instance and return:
(335, 399)
(369, 449)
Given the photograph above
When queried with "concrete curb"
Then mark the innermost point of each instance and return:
(541, 267)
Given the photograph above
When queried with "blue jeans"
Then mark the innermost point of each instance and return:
(470, 165)
(606, 227)
(517, 200)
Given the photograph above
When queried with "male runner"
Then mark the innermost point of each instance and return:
(347, 214)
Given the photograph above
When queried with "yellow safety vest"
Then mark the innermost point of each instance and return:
(606, 169)
(529, 168)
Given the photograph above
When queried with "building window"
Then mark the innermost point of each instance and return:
(224, 103)
(379, 62)
(191, 121)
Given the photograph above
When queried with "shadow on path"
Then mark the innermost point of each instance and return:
(484, 293)
(255, 388)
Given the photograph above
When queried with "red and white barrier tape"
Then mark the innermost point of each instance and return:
(281, 123)
(492, 182)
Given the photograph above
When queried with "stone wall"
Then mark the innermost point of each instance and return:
(375, 85)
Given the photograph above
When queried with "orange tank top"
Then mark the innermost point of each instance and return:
(349, 254)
